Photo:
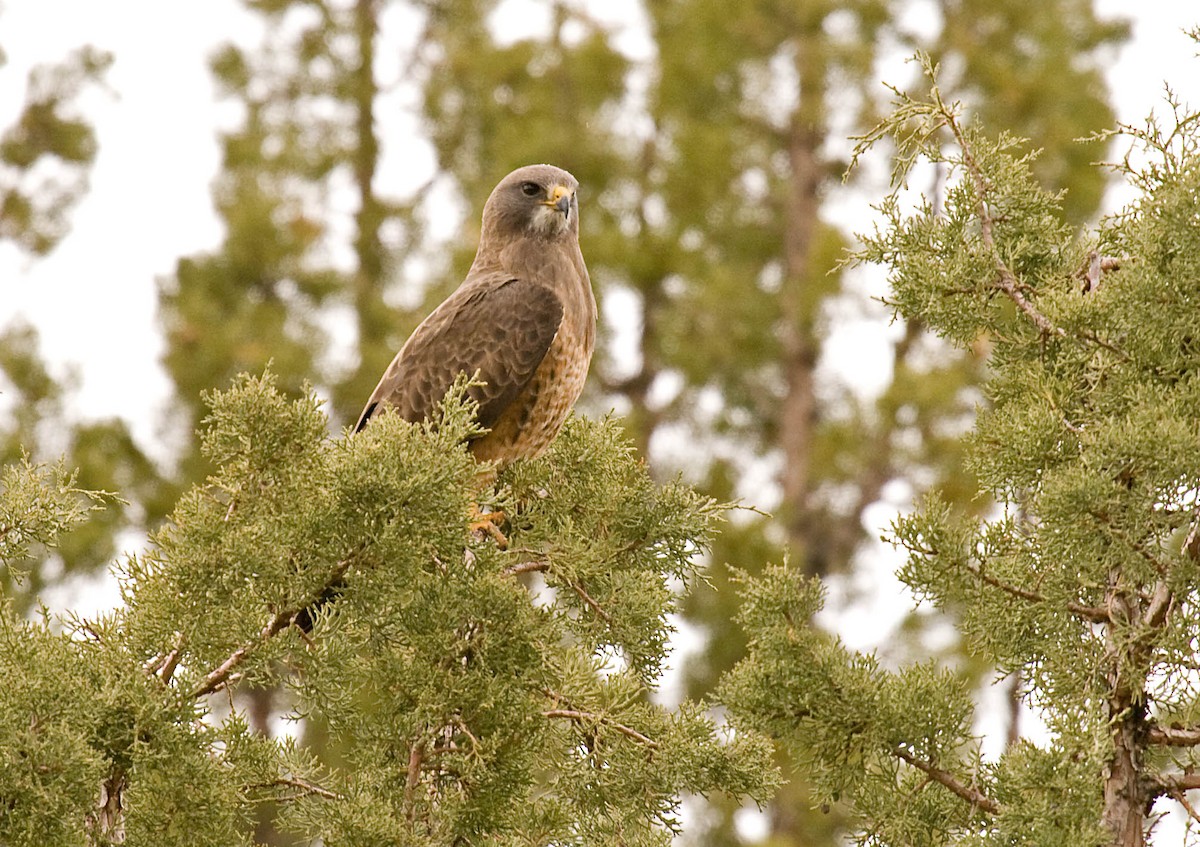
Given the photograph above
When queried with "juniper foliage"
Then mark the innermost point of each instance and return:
(473, 694)
(1083, 579)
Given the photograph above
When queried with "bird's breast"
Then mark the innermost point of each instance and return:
(529, 424)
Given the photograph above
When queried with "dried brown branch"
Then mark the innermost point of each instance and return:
(946, 779)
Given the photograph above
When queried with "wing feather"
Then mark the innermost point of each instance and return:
(496, 324)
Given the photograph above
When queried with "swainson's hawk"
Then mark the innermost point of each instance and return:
(524, 319)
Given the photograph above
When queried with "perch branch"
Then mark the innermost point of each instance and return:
(525, 567)
(415, 756)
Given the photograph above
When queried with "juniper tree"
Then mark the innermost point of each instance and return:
(1084, 577)
(475, 695)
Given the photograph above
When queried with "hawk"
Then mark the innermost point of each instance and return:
(524, 320)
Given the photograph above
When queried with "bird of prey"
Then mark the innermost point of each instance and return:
(523, 321)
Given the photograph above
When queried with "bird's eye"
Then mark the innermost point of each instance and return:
(531, 189)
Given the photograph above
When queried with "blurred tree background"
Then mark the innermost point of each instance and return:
(711, 159)
(46, 155)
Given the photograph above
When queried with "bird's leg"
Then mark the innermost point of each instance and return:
(489, 523)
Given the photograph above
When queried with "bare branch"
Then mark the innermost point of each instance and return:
(944, 778)
(1181, 798)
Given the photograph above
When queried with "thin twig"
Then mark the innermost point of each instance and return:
(1122, 536)
(575, 714)
(944, 778)
(1006, 281)
(587, 598)
(577, 587)
(1181, 798)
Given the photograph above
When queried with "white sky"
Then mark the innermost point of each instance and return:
(93, 300)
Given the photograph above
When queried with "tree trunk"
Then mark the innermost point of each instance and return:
(801, 347)
(1124, 798)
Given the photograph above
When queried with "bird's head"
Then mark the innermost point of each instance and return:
(536, 200)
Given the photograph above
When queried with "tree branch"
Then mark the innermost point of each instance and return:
(219, 676)
(525, 567)
(1174, 736)
(1094, 614)
(629, 732)
(1006, 280)
(1160, 604)
(591, 601)
(302, 784)
(544, 567)
(1177, 782)
(947, 780)
(416, 755)
(1093, 268)
(1181, 798)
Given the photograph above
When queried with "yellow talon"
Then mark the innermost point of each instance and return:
(489, 522)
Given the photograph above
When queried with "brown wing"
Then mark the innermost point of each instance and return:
(494, 324)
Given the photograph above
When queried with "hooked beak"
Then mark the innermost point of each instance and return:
(560, 199)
